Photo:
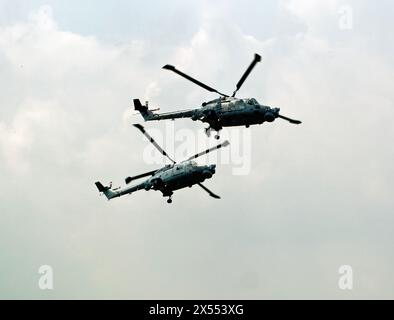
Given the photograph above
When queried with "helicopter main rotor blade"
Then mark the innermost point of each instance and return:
(209, 191)
(143, 175)
(199, 83)
(224, 144)
(290, 120)
(257, 59)
(142, 129)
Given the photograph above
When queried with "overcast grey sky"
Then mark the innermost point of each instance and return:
(318, 195)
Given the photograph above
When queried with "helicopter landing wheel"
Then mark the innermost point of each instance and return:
(217, 137)
(169, 200)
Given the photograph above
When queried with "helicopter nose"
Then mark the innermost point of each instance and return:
(209, 171)
(271, 114)
(207, 174)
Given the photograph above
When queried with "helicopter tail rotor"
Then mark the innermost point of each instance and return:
(105, 190)
(143, 109)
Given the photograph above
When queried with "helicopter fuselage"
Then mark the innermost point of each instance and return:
(171, 178)
(230, 112)
(179, 176)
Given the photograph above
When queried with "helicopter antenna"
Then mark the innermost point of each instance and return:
(142, 129)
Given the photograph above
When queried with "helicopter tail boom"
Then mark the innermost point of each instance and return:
(106, 191)
(145, 112)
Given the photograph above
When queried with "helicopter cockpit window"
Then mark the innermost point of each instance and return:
(238, 105)
(253, 102)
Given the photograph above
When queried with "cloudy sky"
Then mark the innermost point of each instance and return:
(316, 197)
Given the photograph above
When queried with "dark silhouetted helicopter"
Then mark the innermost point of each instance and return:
(225, 111)
(169, 178)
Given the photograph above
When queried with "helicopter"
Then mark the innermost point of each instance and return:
(171, 177)
(225, 111)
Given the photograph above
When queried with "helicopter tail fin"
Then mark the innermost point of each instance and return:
(145, 112)
(106, 190)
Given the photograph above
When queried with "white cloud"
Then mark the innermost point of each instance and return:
(55, 81)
